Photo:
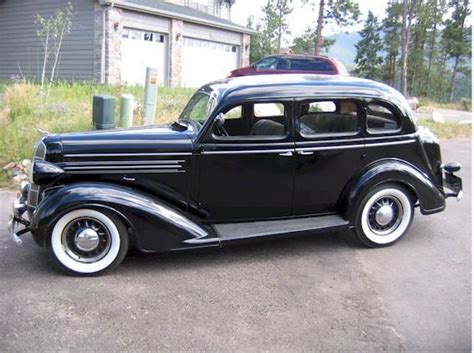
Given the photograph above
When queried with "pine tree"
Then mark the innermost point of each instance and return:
(269, 31)
(457, 38)
(368, 59)
(304, 44)
(341, 12)
(391, 28)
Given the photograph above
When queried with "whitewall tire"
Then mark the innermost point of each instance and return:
(384, 215)
(88, 242)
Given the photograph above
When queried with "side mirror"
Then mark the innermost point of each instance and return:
(220, 120)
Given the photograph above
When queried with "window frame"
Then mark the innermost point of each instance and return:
(389, 106)
(247, 106)
(319, 136)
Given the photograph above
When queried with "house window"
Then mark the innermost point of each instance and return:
(147, 36)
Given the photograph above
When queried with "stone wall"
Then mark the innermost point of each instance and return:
(176, 52)
(113, 44)
(245, 50)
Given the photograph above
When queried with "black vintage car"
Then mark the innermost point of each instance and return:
(250, 157)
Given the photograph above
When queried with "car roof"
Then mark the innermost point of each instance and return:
(304, 85)
(301, 56)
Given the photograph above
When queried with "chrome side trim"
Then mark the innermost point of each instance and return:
(359, 139)
(144, 162)
(126, 171)
(329, 148)
(121, 167)
(249, 151)
(390, 143)
(127, 154)
(324, 148)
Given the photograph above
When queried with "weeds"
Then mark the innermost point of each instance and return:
(427, 105)
(447, 130)
(25, 108)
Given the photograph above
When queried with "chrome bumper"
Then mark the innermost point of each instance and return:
(452, 183)
(16, 219)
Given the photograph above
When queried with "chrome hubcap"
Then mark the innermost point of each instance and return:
(385, 215)
(87, 239)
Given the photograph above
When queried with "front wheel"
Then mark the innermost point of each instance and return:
(384, 215)
(88, 242)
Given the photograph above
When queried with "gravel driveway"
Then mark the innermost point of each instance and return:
(320, 292)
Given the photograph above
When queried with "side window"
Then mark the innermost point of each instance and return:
(328, 117)
(311, 65)
(267, 64)
(381, 119)
(253, 121)
(234, 113)
(263, 110)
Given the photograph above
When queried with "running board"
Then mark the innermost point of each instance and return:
(250, 230)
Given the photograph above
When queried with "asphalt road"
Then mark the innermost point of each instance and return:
(320, 292)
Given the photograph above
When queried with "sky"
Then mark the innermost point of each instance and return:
(302, 16)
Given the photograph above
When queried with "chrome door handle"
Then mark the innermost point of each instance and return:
(286, 154)
(305, 153)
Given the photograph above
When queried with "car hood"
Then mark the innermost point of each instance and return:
(150, 139)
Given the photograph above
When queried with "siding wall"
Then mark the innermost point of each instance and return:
(21, 49)
(213, 34)
(144, 21)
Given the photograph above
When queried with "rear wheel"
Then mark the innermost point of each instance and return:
(384, 215)
(88, 242)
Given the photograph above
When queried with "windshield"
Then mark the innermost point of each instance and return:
(198, 108)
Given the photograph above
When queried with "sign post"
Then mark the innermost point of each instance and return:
(151, 92)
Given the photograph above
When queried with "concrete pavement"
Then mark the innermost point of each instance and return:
(321, 292)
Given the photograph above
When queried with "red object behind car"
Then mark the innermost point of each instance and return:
(290, 64)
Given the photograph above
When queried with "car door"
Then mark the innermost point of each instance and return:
(248, 175)
(330, 150)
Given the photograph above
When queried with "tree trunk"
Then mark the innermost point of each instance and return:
(403, 79)
(430, 58)
(319, 29)
(406, 29)
(453, 79)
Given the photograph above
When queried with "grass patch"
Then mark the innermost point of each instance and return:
(66, 107)
(426, 105)
(447, 130)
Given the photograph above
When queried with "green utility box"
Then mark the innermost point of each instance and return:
(103, 109)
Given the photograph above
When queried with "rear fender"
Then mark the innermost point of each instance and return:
(156, 226)
(430, 198)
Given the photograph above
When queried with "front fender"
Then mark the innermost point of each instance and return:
(430, 197)
(157, 226)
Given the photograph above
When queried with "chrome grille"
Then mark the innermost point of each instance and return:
(39, 153)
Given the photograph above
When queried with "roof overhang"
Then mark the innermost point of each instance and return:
(154, 11)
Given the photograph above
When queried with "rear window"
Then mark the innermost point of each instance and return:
(381, 119)
(310, 65)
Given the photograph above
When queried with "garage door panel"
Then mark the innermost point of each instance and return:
(139, 51)
(205, 61)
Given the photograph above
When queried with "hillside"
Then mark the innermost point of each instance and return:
(344, 47)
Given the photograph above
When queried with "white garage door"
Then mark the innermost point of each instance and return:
(205, 61)
(141, 49)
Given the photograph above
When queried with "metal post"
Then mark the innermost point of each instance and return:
(126, 110)
(151, 90)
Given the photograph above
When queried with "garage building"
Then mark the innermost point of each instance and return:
(189, 42)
